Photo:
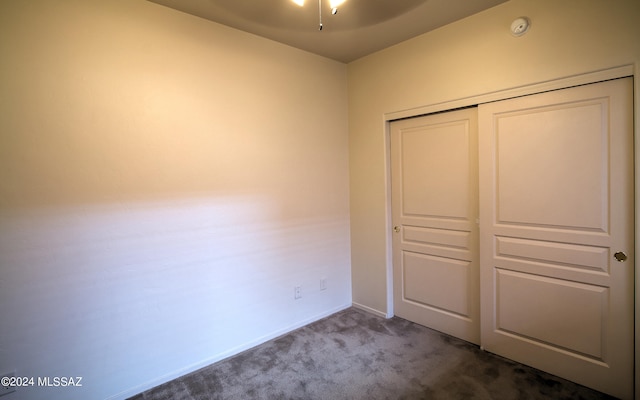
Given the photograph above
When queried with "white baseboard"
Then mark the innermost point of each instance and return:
(221, 356)
(372, 310)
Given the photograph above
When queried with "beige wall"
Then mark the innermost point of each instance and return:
(465, 59)
(165, 182)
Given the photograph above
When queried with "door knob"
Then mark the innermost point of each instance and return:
(396, 229)
(620, 256)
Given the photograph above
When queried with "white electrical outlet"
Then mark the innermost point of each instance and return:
(323, 283)
(4, 380)
(297, 292)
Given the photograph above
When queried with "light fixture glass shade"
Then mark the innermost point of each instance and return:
(335, 3)
(299, 2)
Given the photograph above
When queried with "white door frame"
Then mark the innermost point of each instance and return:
(561, 83)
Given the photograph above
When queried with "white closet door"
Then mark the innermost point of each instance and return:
(556, 212)
(435, 209)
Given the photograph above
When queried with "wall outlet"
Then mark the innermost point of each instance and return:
(6, 389)
(297, 292)
(323, 283)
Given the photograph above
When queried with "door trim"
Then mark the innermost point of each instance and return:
(546, 86)
(632, 70)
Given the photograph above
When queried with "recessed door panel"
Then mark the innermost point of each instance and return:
(528, 306)
(426, 151)
(529, 144)
(561, 254)
(420, 288)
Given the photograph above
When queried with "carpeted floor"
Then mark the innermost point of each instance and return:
(356, 355)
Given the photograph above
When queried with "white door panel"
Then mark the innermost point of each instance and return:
(556, 204)
(420, 286)
(529, 310)
(434, 200)
(546, 152)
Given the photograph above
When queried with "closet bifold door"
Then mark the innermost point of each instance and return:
(434, 183)
(556, 223)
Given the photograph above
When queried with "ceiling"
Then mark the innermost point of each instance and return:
(360, 27)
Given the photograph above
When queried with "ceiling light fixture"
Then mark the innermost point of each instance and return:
(332, 3)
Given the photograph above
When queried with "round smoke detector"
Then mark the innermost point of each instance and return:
(520, 26)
